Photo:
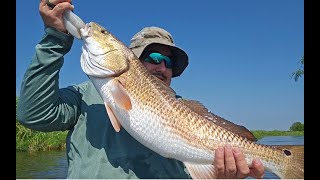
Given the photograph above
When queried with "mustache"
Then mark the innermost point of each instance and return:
(159, 74)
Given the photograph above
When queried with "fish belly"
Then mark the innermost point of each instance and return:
(149, 130)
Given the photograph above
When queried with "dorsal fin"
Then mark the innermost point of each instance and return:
(199, 108)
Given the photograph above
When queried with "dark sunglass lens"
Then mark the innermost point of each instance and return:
(157, 58)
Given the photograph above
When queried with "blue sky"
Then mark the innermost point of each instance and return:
(241, 53)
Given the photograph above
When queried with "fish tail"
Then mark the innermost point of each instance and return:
(295, 165)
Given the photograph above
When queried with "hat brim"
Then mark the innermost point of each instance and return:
(180, 61)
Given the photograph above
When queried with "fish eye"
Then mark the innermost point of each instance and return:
(287, 152)
(103, 31)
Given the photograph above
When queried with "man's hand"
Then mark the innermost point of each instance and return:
(53, 17)
(231, 164)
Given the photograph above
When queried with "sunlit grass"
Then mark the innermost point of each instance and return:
(30, 140)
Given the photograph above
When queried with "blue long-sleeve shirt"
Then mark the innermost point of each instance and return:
(94, 149)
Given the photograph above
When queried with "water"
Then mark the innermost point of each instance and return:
(41, 165)
(53, 164)
(282, 140)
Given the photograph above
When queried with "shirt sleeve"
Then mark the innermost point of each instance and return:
(42, 105)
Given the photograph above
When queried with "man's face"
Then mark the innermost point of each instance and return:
(159, 70)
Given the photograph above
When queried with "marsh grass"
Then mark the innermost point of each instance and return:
(31, 141)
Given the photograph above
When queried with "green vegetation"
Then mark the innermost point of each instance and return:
(296, 129)
(297, 126)
(30, 140)
(300, 71)
(262, 133)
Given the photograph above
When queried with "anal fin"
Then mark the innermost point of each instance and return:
(201, 171)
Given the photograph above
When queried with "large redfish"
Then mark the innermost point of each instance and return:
(174, 128)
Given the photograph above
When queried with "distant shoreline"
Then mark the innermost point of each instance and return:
(259, 134)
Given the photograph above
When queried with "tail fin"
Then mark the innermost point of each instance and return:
(295, 166)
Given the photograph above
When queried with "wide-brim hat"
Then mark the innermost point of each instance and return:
(155, 35)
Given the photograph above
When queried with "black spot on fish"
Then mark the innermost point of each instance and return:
(287, 152)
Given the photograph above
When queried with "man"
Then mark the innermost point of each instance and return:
(94, 149)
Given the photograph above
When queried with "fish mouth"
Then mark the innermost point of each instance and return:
(101, 53)
(85, 31)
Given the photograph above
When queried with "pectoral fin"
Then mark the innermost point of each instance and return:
(120, 95)
(114, 120)
(200, 171)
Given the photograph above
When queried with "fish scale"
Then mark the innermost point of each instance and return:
(200, 127)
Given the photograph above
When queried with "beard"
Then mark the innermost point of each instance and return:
(160, 76)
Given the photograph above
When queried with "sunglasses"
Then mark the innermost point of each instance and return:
(157, 58)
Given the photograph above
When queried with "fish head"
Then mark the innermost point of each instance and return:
(103, 55)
